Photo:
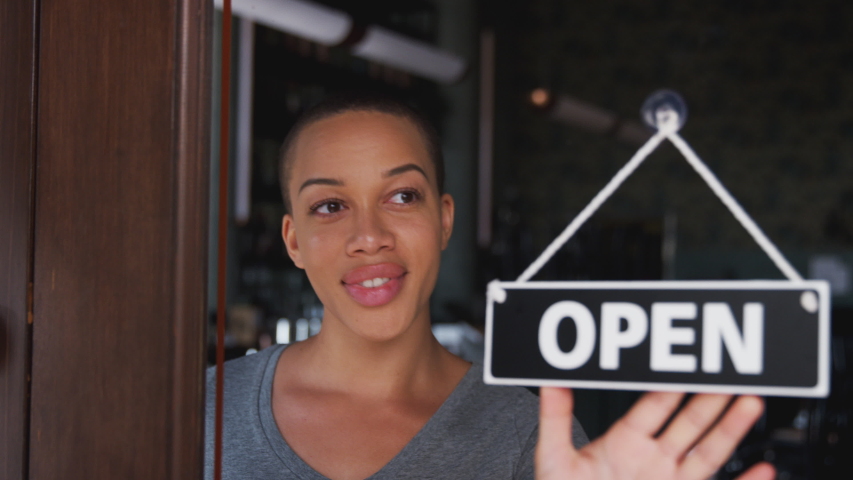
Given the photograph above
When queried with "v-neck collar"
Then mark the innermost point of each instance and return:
(302, 470)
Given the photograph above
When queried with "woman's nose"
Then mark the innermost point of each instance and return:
(370, 235)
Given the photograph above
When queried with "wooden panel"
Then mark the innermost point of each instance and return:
(192, 151)
(17, 25)
(120, 248)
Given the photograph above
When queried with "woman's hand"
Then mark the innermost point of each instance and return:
(693, 446)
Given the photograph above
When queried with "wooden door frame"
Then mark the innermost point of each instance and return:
(17, 134)
(104, 154)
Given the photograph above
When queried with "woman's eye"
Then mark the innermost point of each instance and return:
(406, 196)
(328, 207)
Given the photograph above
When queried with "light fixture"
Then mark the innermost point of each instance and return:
(390, 48)
(577, 113)
(308, 20)
(302, 329)
(540, 98)
(331, 27)
(486, 138)
(282, 331)
(243, 121)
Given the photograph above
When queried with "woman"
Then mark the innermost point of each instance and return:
(374, 394)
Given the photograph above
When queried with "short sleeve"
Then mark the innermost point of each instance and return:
(525, 470)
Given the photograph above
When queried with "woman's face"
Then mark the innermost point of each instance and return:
(368, 224)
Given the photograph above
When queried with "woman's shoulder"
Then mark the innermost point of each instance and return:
(500, 396)
(508, 408)
(476, 402)
(484, 431)
(249, 369)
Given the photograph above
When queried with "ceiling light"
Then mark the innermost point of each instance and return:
(331, 27)
(308, 20)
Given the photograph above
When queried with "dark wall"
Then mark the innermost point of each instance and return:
(768, 87)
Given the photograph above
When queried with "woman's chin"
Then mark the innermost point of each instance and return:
(391, 321)
(375, 329)
(381, 334)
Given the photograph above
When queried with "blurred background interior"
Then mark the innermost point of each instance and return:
(538, 106)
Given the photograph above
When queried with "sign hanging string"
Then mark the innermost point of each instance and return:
(667, 129)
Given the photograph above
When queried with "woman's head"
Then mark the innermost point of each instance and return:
(360, 102)
(366, 219)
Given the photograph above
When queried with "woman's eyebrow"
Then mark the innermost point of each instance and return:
(320, 181)
(403, 169)
(338, 183)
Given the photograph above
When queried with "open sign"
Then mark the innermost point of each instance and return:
(757, 337)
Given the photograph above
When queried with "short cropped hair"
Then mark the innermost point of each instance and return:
(359, 102)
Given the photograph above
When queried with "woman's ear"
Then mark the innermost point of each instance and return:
(447, 212)
(288, 233)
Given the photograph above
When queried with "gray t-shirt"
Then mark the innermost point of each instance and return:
(479, 432)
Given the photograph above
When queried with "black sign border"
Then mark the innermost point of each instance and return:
(819, 390)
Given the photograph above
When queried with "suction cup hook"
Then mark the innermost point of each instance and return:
(664, 110)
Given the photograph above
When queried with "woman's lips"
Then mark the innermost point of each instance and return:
(374, 285)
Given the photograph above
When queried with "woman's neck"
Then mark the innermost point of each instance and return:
(338, 360)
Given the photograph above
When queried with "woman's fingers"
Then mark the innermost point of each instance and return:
(651, 411)
(759, 471)
(555, 430)
(717, 445)
(631, 448)
(555, 416)
(692, 422)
